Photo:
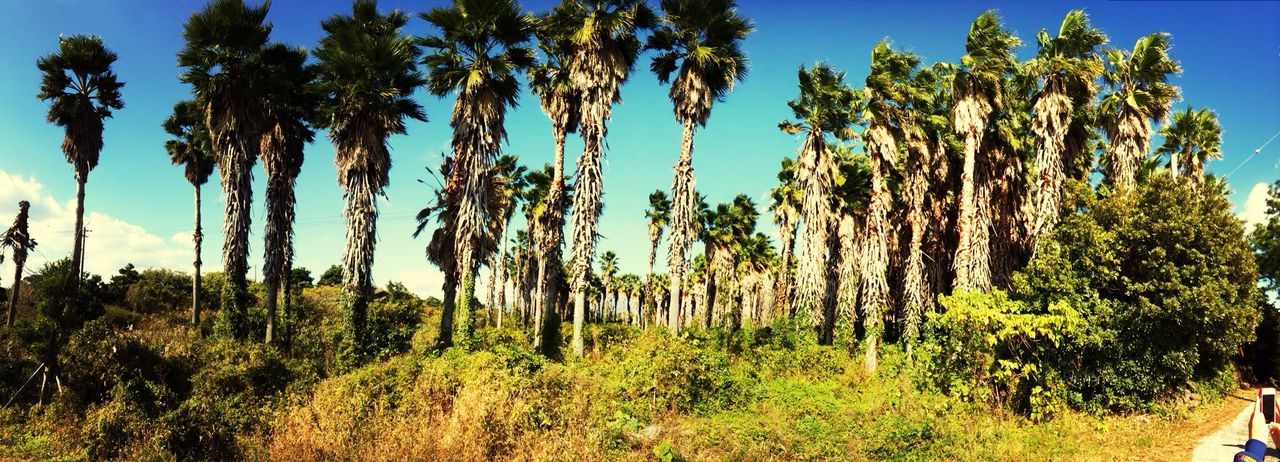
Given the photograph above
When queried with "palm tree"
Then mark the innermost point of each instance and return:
(785, 199)
(1140, 92)
(560, 101)
(886, 93)
(190, 148)
(18, 238)
(288, 109)
(825, 105)
(605, 46)
(509, 189)
(82, 90)
(658, 214)
(1194, 136)
(977, 88)
(1066, 66)
(852, 197)
(480, 49)
(756, 256)
(222, 57)
(702, 39)
(367, 75)
(725, 228)
(608, 268)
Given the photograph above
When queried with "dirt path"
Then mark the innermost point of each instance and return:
(1229, 439)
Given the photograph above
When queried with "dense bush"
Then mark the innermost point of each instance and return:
(1163, 281)
(158, 290)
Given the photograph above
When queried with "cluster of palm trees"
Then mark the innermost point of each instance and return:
(929, 178)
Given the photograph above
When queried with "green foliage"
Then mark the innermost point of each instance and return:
(159, 290)
(331, 276)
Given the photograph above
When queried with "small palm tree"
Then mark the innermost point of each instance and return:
(82, 90)
(608, 268)
(480, 50)
(702, 40)
(785, 199)
(288, 109)
(367, 75)
(560, 101)
(756, 256)
(1194, 136)
(509, 184)
(222, 57)
(977, 87)
(1140, 93)
(658, 214)
(605, 46)
(18, 238)
(1067, 66)
(825, 106)
(190, 148)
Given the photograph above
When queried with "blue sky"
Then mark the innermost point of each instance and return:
(140, 207)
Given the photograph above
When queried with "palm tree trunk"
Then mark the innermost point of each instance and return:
(971, 261)
(682, 204)
(782, 286)
(77, 252)
(1051, 122)
(503, 276)
(874, 288)
(357, 274)
(588, 188)
(551, 240)
(274, 232)
(915, 289)
(198, 239)
(1130, 141)
(234, 166)
(19, 259)
(813, 272)
(850, 272)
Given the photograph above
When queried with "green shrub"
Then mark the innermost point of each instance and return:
(159, 290)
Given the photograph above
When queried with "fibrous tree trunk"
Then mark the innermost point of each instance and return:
(816, 174)
(681, 237)
(197, 238)
(1051, 121)
(972, 251)
(1130, 141)
(357, 276)
(916, 294)
(849, 269)
(874, 287)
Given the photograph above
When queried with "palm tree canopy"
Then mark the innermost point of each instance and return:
(222, 52)
(610, 27)
(289, 100)
(784, 199)
(887, 93)
(1070, 58)
(511, 182)
(825, 103)
(190, 147)
(988, 57)
(659, 211)
(1194, 134)
(703, 40)
(609, 264)
(481, 47)
(549, 79)
(756, 254)
(1140, 78)
(82, 90)
(853, 179)
(367, 75)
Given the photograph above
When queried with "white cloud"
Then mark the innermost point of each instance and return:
(111, 244)
(1255, 207)
(422, 282)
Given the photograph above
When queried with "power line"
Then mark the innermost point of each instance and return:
(1251, 156)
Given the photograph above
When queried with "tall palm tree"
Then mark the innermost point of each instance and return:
(480, 50)
(702, 39)
(1194, 136)
(659, 215)
(288, 109)
(977, 87)
(852, 197)
(367, 75)
(223, 60)
(825, 106)
(608, 269)
(190, 148)
(509, 183)
(885, 113)
(784, 202)
(1140, 93)
(1066, 66)
(81, 89)
(561, 102)
(18, 238)
(605, 46)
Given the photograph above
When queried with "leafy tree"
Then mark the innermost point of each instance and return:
(331, 276)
